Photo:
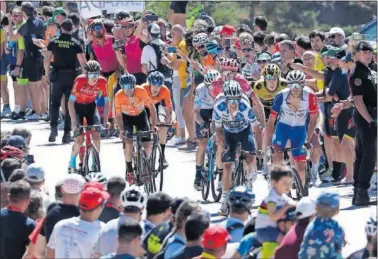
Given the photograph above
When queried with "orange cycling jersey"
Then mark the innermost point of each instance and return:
(84, 93)
(132, 106)
(164, 95)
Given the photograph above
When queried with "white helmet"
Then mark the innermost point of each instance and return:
(200, 39)
(132, 197)
(296, 76)
(371, 226)
(211, 76)
(96, 177)
(231, 89)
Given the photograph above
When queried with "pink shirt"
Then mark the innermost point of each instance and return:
(106, 55)
(133, 54)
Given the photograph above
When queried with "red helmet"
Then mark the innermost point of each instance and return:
(11, 152)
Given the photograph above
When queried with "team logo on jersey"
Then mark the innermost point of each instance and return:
(357, 81)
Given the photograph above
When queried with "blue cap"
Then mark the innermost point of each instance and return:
(16, 141)
(328, 199)
(347, 58)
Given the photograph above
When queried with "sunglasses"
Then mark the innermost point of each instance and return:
(333, 36)
(295, 86)
(233, 101)
(93, 75)
(247, 50)
(270, 77)
(16, 15)
(128, 27)
(262, 61)
(96, 27)
(128, 86)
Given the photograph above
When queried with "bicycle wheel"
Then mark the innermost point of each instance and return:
(157, 167)
(215, 178)
(296, 192)
(206, 184)
(91, 160)
(238, 173)
(146, 175)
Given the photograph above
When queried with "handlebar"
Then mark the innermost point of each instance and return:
(163, 125)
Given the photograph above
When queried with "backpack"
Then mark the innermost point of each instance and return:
(166, 71)
(160, 255)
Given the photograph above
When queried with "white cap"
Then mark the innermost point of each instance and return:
(306, 207)
(73, 184)
(153, 28)
(336, 30)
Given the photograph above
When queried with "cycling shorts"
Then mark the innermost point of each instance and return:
(206, 115)
(297, 136)
(345, 125)
(268, 234)
(329, 122)
(140, 122)
(179, 6)
(232, 140)
(87, 111)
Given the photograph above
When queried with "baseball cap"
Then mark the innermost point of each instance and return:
(73, 184)
(16, 141)
(306, 207)
(227, 30)
(215, 236)
(348, 58)
(35, 173)
(92, 197)
(122, 15)
(334, 52)
(364, 46)
(58, 11)
(328, 199)
(264, 56)
(356, 36)
(336, 30)
(153, 28)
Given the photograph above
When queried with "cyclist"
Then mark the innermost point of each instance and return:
(203, 109)
(130, 103)
(233, 117)
(229, 71)
(268, 86)
(161, 98)
(82, 104)
(291, 108)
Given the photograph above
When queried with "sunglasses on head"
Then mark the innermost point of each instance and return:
(97, 27)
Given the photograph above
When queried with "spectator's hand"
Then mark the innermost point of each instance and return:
(195, 64)
(16, 72)
(164, 60)
(297, 66)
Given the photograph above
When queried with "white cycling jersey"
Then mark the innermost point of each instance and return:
(203, 100)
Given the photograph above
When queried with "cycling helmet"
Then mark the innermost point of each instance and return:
(96, 177)
(211, 75)
(271, 69)
(127, 79)
(96, 22)
(212, 47)
(11, 152)
(156, 78)
(229, 64)
(200, 39)
(132, 197)
(92, 66)
(231, 89)
(295, 76)
(371, 226)
(241, 196)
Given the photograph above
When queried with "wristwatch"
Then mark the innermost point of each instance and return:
(18, 66)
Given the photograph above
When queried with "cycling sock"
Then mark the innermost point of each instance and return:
(315, 168)
(220, 172)
(162, 149)
(224, 196)
(199, 169)
(129, 166)
(73, 162)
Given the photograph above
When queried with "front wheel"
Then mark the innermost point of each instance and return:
(157, 167)
(91, 160)
(297, 190)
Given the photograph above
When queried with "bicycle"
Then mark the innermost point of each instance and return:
(88, 152)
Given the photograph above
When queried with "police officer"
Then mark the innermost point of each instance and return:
(363, 83)
(66, 51)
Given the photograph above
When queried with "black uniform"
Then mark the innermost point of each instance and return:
(363, 81)
(64, 71)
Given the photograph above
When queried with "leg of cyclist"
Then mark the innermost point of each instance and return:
(77, 113)
(279, 141)
(297, 139)
(248, 146)
(94, 119)
(200, 159)
(315, 159)
(164, 116)
(79, 141)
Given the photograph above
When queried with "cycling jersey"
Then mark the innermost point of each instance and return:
(84, 93)
(233, 123)
(164, 96)
(105, 54)
(132, 106)
(203, 100)
(216, 86)
(266, 96)
(286, 115)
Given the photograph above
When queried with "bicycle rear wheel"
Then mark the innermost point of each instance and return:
(206, 184)
(157, 167)
(145, 175)
(297, 191)
(91, 160)
(215, 179)
(238, 175)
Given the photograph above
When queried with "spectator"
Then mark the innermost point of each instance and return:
(23, 132)
(59, 15)
(243, 28)
(58, 191)
(195, 227)
(249, 67)
(8, 166)
(35, 209)
(158, 210)
(177, 13)
(35, 176)
(291, 243)
(133, 203)
(317, 43)
(258, 38)
(18, 142)
(269, 43)
(76, 33)
(64, 241)
(260, 23)
(323, 228)
(4, 138)
(114, 187)
(129, 237)
(303, 44)
(287, 55)
(371, 236)
(71, 7)
(214, 242)
(336, 37)
(15, 227)
(263, 59)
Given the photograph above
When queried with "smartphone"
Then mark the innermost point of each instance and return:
(105, 13)
(29, 159)
(171, 50)
(33, 36)
(228, 43)
(151, 18)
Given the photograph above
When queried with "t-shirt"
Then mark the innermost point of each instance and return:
(188, 252)
(149, 56)
(247, 243)
(132, 106)
(15, 229)
(74, 238)
(147, 226)
(319, 66)
(2, 35)
(109, 213)
(133, 53)
(33, 27)
(182, 71)
(262, 219)
(291, 242)
(84, 93)
(363, 81)
(174, 243)
(56, 214)
(105, 54)
(153, 240)
(339, 84)
(235, 229)
(324, 238)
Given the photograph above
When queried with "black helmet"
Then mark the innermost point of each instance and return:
(92, 66)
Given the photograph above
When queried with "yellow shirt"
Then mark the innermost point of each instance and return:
(2, 36)
(112, 83)
(319, 66)
(182, 69)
